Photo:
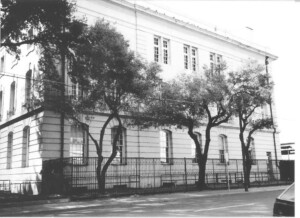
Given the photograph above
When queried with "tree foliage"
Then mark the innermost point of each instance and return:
(252, 91)
(191, 101)
(52, 21)
(113, 80)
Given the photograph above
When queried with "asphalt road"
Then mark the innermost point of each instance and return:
(257, 204)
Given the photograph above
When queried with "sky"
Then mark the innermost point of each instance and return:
(271, 25)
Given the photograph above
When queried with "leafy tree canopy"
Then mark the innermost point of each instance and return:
(53, 22)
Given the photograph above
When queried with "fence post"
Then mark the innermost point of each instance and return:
(237, 166)
(154, 172)
(185, 173)
(213, 165)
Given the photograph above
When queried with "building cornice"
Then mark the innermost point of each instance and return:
(191, 26)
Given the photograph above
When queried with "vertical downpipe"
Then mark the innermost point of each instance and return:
(271, 111)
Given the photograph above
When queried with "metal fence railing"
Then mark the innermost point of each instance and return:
(136, 175)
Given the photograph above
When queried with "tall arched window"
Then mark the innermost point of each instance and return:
(79, 141)
(28, 86)
(223, 148)
(25, 148)
(121, 145)
(12, 98)
(251, 151)
(166, 152)
(193, 145)
(9, 150)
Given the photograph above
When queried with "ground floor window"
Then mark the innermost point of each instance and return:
(121, 145)
(9, 150)
(79, 141)
(166, 146)
(25, 149)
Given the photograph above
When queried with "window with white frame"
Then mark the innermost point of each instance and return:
(215, 62)
(9, 150)
(156, 48)
(194, 56)
(193, 145)
(166, 146)
(186, 56)
(223, 148)
(161, 50)
(166, 51)
(76, 91)
(79, 142)
(264, 111)
(121, 145)
(25, 149)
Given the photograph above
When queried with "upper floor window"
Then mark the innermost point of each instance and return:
(121, 145)
(30, 35)
(193, 145)
(194, 59)
(77, 91)
(186, 56)
(223, 148)
(190, 57)
(215, 62)
(9, 150)
(79, 142)
(2, 67)
(166, 146)
(25, 149)
(28, 86)
(161, 50)
(12, 99)
(264, 111)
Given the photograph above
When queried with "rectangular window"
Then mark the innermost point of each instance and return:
(221, 156)
(212, 57)
(166, 51)
(79, 143)
(186, 56)
(25, 150)
(121, 145)
(12, 108)
(9, 150)
(166, 147)
(74, 95)
(161, 50)
(215, 62)
(194, 59)
(156, 48)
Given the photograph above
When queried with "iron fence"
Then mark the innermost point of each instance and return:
(141, 175)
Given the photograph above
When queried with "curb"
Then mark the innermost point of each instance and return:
(92, 205)
(34, 202)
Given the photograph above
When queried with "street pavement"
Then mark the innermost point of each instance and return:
(258, 202)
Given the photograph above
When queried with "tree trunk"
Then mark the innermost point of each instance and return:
(102, 176)
(202, 168)
(246, 180)
(248, 168)
(99, 179)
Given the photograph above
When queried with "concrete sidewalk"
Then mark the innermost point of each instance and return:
(64, 204)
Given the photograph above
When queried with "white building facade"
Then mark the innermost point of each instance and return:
(28, 137)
